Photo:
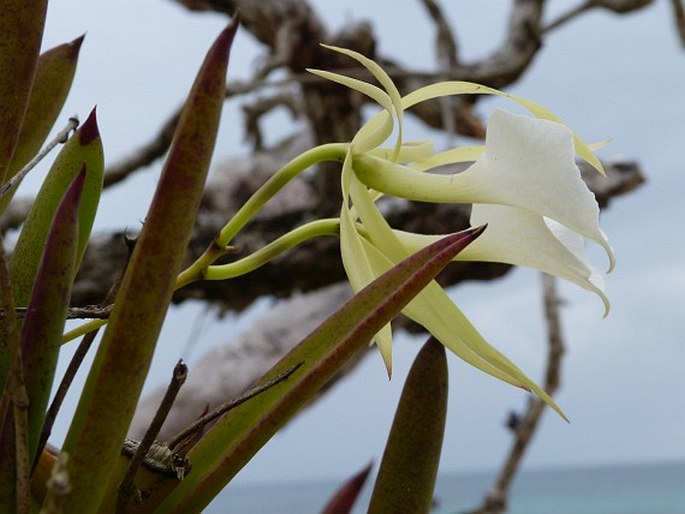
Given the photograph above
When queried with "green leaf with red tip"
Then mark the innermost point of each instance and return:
(21, 32)
(406, 478)
(344, 499)
(51, 85)
(84, 148)
(236, 437)
(121, 364)
(44, 323)
(43, 326)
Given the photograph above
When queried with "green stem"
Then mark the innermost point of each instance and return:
(201, 267)
(327, 152)
(84, 329)
(322, 153)
(324, 227)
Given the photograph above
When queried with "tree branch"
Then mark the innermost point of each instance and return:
(679, 18)
(496, 500)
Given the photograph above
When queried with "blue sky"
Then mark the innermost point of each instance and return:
(618, 78)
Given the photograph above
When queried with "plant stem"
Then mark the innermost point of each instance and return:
(496, 500)
(327, 152)
(318, 228)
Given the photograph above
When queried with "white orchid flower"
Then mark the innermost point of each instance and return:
(523, 183)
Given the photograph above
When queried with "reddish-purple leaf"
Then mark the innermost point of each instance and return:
(43, 326)
(41, 336)
(236, 437)
(21, 32)
(345, 497)
(406, 477)
(123, 358)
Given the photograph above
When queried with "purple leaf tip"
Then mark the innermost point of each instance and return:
(76, 44)
(89, 130)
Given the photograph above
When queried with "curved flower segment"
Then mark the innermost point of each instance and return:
(524, 184)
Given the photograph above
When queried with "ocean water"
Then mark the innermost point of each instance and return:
(636, 489)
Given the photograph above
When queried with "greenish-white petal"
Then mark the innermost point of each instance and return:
(374, 223)
(469, 88)
(410, 151)
(355, 261)
(520, 238)
(384, 79)
(457, 155)
(528, 163)
(434, 310)
(373, 92)
(373, 133)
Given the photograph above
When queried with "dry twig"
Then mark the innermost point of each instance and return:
(679, 18)
(496, 500)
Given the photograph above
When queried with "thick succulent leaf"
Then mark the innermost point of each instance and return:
(44, 323)
(54, 75)
(42, 334)
(406, 478)
(344, 499)
(21, 31)
(85, 147)
(236, 437)
(123, 358)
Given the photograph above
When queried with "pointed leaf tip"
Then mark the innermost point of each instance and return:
(89, 131)
(344, 499)
(226, 36)
(76, 44)
(460, 240)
